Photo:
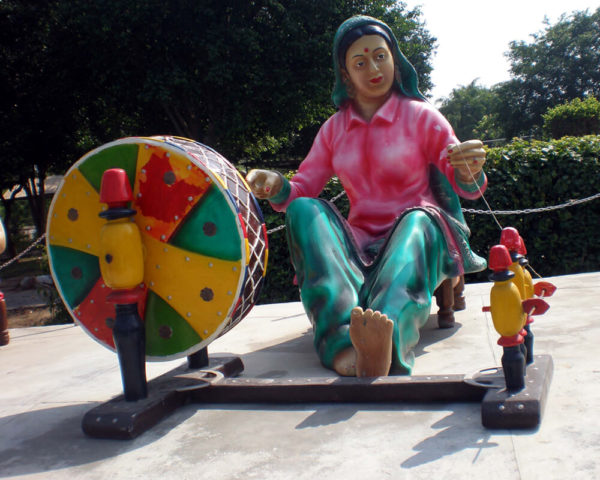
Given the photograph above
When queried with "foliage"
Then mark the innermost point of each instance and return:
(521, 175)
(251, 79)
(59, 314)
(536, 174)
(575, 118)
(38, 101)
(560, 64)
(465, 108)
(489, 129)
(26, 266)
(242, 77)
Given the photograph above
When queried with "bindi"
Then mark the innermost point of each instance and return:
(366, 50)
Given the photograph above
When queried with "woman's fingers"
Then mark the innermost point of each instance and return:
(263, 183)
(469, 153)
(468, 160)
(464, 146)
(255, 178)
(271, 183)
(256, 182)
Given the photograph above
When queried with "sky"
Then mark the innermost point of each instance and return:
(473, 35)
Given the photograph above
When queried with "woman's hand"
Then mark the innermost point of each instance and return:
(264, 183)
(468, 159)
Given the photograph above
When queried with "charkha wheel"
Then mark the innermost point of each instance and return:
(203, 235)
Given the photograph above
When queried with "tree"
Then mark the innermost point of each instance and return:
(575, 118)
(251, 79)
(561, 64)
(465, 107)
(246, 78)
(37, 108)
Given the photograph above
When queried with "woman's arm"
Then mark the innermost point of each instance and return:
(314, 172)
(462, 163)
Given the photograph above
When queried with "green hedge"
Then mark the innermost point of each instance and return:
(577, 117)
(522, 175)
(278, 285)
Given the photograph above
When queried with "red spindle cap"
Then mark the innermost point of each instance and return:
(115, 189)
(499, 258)
(511, 341)
(511, 239)
(522, 249)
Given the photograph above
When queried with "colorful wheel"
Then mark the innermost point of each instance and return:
(203, 234)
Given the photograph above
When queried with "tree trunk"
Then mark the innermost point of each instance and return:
(34, 187)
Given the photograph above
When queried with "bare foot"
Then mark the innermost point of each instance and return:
(371, 335)
(344, 363)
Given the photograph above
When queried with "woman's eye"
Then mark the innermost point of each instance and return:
(381, 56)
(360, 64)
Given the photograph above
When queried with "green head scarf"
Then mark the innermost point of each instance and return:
(406, 80)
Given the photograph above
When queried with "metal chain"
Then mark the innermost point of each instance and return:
(23, 253)
(526, 211)
(276, 229)
(338, 196)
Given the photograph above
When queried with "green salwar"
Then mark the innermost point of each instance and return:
(334, 276)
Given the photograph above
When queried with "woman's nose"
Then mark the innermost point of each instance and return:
(373, 67)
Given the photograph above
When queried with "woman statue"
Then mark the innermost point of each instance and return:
(366, 282)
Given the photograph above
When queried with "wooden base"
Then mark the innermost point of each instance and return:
(433, 388)
(523, 409)
(119, 419)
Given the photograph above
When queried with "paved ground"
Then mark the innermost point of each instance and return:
(52, 375)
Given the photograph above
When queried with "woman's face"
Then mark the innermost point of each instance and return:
(370, 66)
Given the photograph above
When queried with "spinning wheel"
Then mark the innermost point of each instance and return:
(203, 234)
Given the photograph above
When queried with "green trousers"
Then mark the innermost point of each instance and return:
(334, 277)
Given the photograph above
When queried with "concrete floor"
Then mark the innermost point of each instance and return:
(51, 376)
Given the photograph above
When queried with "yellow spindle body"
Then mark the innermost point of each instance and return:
(528, 283)
(518, 279)
(505, 307)
(121, 257)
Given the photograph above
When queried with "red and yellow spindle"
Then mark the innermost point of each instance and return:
(122, 269)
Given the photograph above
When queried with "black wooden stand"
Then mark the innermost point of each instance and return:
(522, 409)
(120, 419)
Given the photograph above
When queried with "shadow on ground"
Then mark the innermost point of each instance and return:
(64, 444)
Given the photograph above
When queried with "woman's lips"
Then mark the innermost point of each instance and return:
(376, 80)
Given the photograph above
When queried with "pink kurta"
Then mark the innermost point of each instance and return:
(383, 164)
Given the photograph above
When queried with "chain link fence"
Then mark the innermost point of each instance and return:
(526, 211)
(24, 252)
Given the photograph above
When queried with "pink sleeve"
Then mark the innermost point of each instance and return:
(438, 134)
(314, 171)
